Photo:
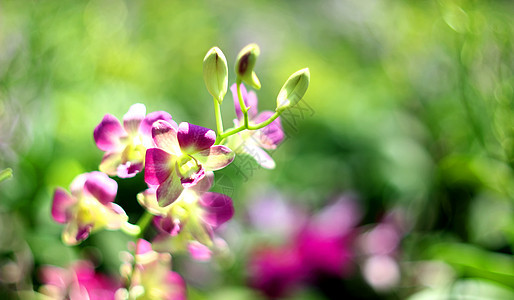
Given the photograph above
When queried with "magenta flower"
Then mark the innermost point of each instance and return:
(254, 142)
(182, 158)
(89, 208)
(322, 247)
(277, 272)
(150, 276)
(125, 146)
(189, 223)
(80, 281)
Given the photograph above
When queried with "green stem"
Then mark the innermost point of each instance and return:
(246, 124)
(232, 131)
(265, 123)
(244, 109)
(219, 120)
(143, 223)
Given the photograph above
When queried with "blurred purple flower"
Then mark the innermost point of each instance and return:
(182, 158)
(89, 207)
(322, 247)
(381, 244)
(79, 282)
(253, 142)
(125, 146)
(276, 271)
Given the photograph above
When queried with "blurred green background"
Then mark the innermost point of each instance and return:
(410, 105)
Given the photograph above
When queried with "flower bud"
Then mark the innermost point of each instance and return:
(215, 73)
(293, 90)
(244, 65)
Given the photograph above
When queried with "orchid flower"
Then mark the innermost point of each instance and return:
(125, 146)
(182, 158)
(89, 208)
(78, 282)
(150, 276)
(254, 142)
(190, 221)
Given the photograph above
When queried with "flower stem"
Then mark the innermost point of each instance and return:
(244, 109)
(219, 120)
(143, 223)
(265, 123)
(249, 127)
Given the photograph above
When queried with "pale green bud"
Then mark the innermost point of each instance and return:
(293, 90)
(245, 63)
(215, 73)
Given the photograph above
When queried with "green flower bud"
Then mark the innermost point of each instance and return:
(244, 65)
(215, 73)
(293, 90)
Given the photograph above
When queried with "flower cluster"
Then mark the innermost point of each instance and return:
(178, 161)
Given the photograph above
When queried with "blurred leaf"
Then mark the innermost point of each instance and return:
(467, 289)
(475, 262)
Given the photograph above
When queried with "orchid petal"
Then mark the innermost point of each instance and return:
(167, 225)
(148, 199)
(108, 133)
(169, 190)
(61, 205)
(129, 169)
(77, 185)
(201, 232)
(205, 184)
(158, 166)
(165, 136)
(110, 163)
(133, 118)
(193, 138)
(75, 233)
(260, 156)
(199, 251)
(273, 134)
(193, 179)
(145, 129)
(215, 158)
(101, 187)
(218, 208)
(143, 247)
(115, 216)
(177, 286)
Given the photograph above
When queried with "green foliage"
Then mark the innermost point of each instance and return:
(411, 106)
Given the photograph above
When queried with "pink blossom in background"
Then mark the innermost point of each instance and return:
(324, 246)
(79, 282)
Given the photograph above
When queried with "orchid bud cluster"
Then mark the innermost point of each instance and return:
(178, 161)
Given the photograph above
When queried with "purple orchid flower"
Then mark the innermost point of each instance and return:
(190, 221)
(182, 158)
(125, 146)
(254, 142)
(89, 208)
(150, 276)
(80, 281)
